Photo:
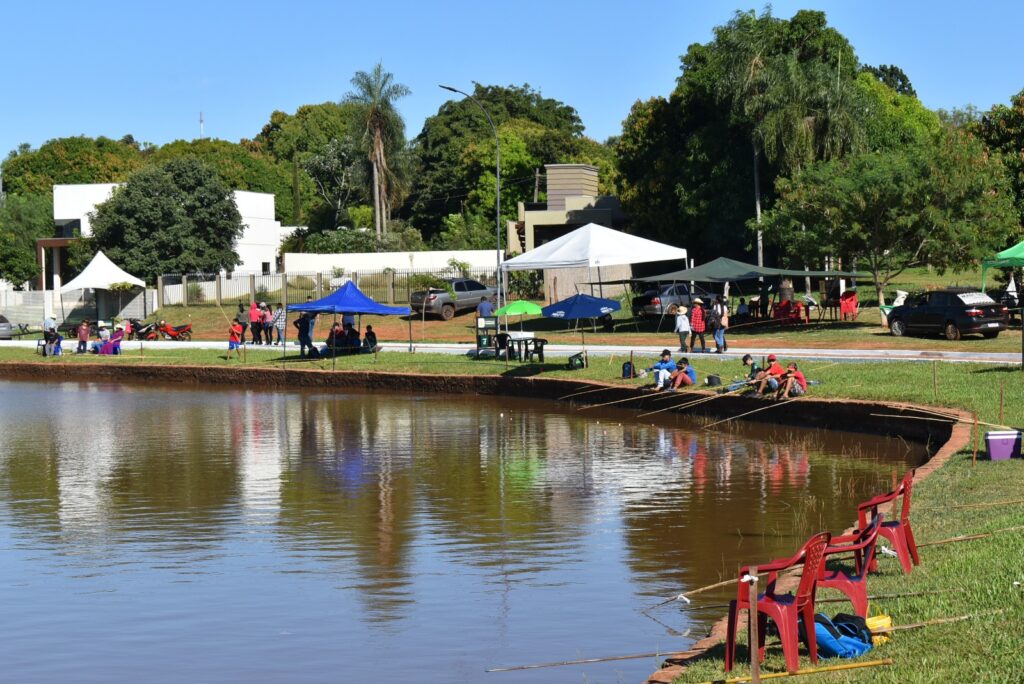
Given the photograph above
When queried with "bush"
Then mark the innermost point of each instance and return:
(526, 284)
(195, 293)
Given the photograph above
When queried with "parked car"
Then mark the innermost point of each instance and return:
(6, 329)
(952, 312)
(666, 299)
(468, 294)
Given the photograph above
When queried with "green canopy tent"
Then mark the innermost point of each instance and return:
(1008, 258)
(723, 270)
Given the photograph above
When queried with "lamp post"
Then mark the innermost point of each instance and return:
(497, 188)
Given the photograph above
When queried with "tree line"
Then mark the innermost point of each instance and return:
(776, 143)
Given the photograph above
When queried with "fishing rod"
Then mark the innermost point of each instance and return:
(688, 404)
(743, 415)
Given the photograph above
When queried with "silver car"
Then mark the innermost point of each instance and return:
(667, 299)
(6, 329)
(468, 293)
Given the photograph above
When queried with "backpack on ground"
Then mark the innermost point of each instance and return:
(627, 370)
(835, 641)
(713, 380)
(576, 362)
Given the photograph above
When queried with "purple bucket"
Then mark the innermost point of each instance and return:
(1003, 445)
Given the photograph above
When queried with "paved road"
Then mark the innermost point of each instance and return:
(564, 350)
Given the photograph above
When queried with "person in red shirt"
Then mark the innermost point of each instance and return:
(697, 325)
(793, 383)
(772, 376)
(235, 333)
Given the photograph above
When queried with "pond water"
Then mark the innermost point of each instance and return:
(164, 535)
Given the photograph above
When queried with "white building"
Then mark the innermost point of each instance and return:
(257, 247)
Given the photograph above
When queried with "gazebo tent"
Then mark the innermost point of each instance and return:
(100, 274)
(723, 270)
(593, 246)
(349, 299)
(1008, 258)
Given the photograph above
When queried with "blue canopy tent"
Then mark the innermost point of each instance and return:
(349, 299)
(581, 306)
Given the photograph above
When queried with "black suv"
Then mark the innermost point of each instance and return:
(952, 312)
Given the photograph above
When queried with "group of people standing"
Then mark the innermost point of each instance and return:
(262, 322)
(693, 323)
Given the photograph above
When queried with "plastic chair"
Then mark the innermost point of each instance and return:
(849, 305)
(855, 584)
(783, 609)
(536, 348)
(898, 532)
(503, 346)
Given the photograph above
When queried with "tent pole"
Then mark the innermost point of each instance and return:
(410, 331)
(284, 342)
(334, 347)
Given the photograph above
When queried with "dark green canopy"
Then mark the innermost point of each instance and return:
(723, 270)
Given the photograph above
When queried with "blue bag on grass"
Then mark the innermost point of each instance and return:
(839, 641)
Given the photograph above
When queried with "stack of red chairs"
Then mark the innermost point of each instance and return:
(785, 610)
(849, 305)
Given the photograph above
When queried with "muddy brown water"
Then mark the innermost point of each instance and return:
(164, 535)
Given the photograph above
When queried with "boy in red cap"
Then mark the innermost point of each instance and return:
(771, 379)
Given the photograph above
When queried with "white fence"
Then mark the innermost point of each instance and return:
(29, 307)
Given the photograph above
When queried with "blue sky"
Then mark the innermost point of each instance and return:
(148, 69)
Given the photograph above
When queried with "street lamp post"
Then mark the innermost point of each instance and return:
(497, 188)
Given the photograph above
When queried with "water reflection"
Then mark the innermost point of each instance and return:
(433, 536)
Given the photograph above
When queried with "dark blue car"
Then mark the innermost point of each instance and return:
(952, 312)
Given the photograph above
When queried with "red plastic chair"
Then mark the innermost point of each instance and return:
(849, 305)
(898, 532)
(855, 584)
(783, 609)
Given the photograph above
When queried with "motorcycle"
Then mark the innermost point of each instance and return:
(143, 331)
(175, 332)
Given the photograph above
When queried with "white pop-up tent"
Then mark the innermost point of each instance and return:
(100, 274)
(593, 246)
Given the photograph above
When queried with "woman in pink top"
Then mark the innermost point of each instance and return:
(266, 316)
(255, 323)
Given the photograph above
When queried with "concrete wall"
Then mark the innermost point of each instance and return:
(76, 202)
(28, 307)
(378, 261)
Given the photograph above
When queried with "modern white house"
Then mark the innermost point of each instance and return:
(73, 206)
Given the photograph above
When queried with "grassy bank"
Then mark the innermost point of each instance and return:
(978, 575)
(972, 387)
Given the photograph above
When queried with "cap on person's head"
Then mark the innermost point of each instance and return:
(666, 352)
(747, 357)
(369, 327)
(684, 361)
(771, 357)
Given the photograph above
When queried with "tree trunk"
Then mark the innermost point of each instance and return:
(376, 200)
(757, 204)
(880, 293)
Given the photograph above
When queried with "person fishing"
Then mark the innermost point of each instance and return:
(663, 370)
(792, 384)
(684, 376)
(770, 380)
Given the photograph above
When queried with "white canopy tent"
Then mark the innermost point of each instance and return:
(593, 246)
(100, 274)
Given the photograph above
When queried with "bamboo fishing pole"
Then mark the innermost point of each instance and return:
(970, 537)
(617, 401)
(743, 415)
(937, 621)
(688, 404)
(805, 671)
(876, 597)
(589, 391)
(951, 421)
(587, 661)
(685, 596)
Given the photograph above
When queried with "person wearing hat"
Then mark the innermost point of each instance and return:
(682, 328)
(698, 326)
(103, 334)
(771, 377)
(663, 370)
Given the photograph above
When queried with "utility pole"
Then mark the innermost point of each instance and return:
(200, 125)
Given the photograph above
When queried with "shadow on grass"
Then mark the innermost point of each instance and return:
(1008, 369)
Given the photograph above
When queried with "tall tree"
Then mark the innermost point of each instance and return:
(945, 204)
(455, 152)
(69, 160)
(892, 76)
(1002, 130)
(377, 93)
(178, 217)
(23, 220)
(336, 171)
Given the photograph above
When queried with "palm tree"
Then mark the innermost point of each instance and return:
(377, 92)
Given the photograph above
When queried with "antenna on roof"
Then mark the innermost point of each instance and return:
(200, 125)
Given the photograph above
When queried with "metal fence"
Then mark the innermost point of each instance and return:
(387, 286)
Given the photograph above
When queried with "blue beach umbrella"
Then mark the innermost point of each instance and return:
(581, 306)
